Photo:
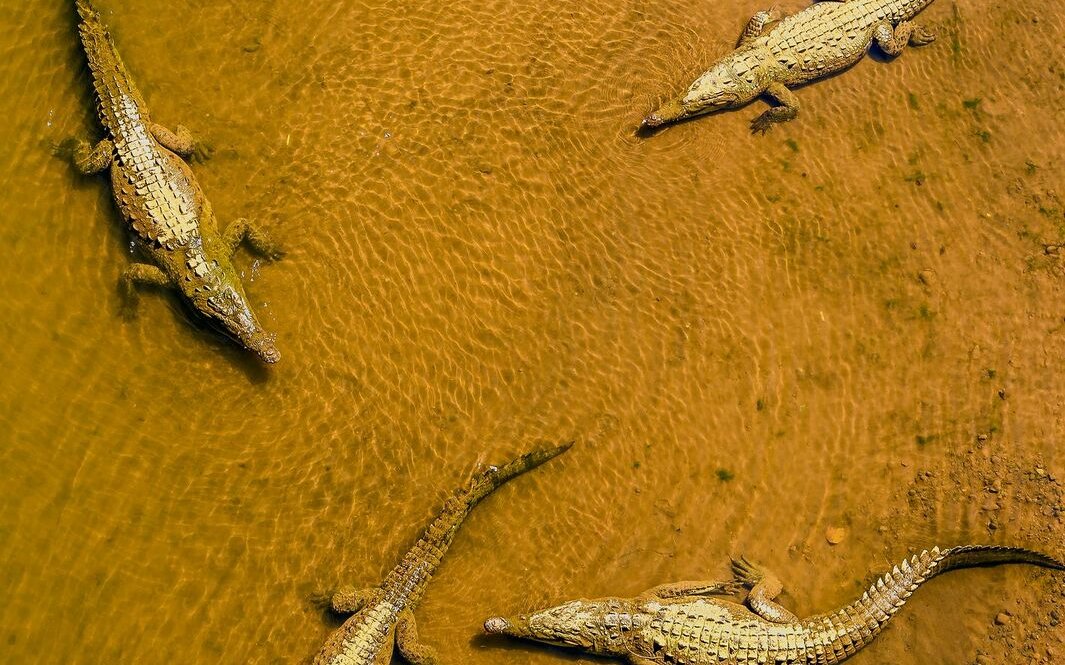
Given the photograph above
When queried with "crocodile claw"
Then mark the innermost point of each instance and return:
(922, 36)
(747, 573)
(762, 123)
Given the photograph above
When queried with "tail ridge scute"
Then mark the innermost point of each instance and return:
(495, 476)
(86, 11)
(858, 623)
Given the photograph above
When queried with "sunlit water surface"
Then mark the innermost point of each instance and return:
(752, 339)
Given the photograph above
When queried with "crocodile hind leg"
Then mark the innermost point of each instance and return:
(765, 587)
(689, 589)
(410, 646)
(349, 600)
(144, 274)
(91, 160)
(179, 140)
(242, 230)
(894, 40)
(788, 109)
(756, 26)
(384, 653)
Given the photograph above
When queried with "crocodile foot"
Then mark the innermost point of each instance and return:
(201, 152)
(242, 230)
(748, 574)
(922, 36)
(773, 116)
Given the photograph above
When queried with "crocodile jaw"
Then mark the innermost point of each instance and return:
(577, 624)
(264, 347)
(670, 112)
(228, 308)
(557, 631)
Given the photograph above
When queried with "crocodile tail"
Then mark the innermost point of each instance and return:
(86, 11)
(93, 33)
(857, 624)
(494, 477)
(413, 572)
(111, 82)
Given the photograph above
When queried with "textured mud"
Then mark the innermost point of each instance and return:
(759, 343)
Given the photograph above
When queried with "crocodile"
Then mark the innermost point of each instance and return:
(382, 617)
(683, 623)
(778, 52)
(171, 220)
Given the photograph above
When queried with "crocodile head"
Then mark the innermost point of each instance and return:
(733, 81)
(227, 306)
(595, 626)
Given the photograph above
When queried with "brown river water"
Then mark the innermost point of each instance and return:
(853, 326)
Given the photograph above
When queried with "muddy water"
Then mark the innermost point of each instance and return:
(854, 322)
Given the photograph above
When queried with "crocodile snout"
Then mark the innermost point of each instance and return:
(261, 344)
(268, 352)
(670, 112)
(496, 626)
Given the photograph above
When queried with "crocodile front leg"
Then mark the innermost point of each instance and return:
(91, 160)
(145, 274)
(349, 600)
(408, 643)
(765, 587)
(893, 41)
(241, 230)
(689, 589)
(756, 26)
(140, 274)
(788, 109)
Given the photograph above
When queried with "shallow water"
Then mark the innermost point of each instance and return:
(855, 321)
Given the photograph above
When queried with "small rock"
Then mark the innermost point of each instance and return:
(983, 659)
(835, 535)
(1003, 619)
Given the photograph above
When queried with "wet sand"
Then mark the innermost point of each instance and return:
(855, 321)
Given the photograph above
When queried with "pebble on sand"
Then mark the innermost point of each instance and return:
(835, 535)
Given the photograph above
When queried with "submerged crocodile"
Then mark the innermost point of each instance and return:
(171, 219)
(383, 617)
(776, 53)
(679, 623)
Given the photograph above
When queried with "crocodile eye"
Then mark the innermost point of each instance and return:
(221, 302)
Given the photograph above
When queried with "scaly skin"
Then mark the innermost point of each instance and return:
(776, 53)
(155, 190)
(679, 624)
(383, 617)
